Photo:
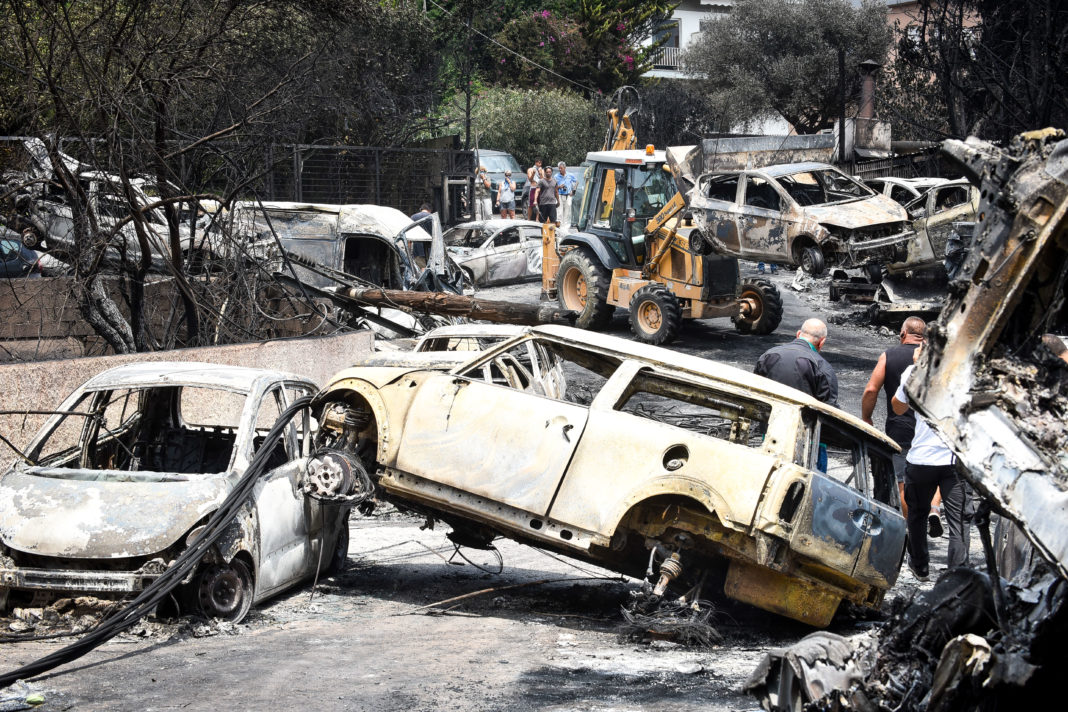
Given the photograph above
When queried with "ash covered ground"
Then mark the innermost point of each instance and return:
(546, 633)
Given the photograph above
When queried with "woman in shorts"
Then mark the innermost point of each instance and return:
(506, 196)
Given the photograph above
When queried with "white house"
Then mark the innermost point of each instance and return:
(686, 22)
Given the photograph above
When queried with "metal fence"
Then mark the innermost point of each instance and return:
(926, 163)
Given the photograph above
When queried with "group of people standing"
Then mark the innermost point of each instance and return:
(548, 196)
(926, 467)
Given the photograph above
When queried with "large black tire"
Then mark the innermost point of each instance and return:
(655, 314)
(766, 317)
(874, 272)
(812, 261)
(339, 560)
(582, 286)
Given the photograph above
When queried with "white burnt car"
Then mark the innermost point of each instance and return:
(648, 457)
(496, 251)
(116, 484)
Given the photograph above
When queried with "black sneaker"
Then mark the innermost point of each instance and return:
(934, 525)
(920, 574)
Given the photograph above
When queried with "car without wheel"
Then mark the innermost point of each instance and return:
(650, 463)
(124, 475)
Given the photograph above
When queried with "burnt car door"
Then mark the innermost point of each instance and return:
(462, 431)
(760, 219)
(719, 203)
(834, 527)
(530, 243)
(946, 205)
(884, 549)
(505, 257)
(290, 524)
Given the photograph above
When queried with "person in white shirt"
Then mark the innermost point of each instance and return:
(929, 466)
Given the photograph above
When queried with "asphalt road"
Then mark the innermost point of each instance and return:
(545, 634)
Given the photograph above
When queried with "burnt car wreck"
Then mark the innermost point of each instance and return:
(999, 397)
(651, 463)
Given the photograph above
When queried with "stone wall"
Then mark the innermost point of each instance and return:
(43, 385)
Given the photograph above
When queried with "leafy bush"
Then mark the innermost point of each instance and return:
(552, 124)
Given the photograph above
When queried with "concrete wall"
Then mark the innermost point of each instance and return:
(43, 385)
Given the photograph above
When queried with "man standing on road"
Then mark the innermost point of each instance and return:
(887, 376)
(533, 176)
(930, 466)
(483, 211)
(567, 182)
(547, 198)
(799, 364)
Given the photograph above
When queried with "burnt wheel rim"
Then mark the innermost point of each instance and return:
(575, 289)
(222, 592)
(650, 318)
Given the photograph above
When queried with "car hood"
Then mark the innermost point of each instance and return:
(876, 210)
(48, 511)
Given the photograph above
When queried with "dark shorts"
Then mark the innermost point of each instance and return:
(507, 205)
(547, 212)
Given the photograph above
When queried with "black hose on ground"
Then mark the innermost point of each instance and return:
(187, 561)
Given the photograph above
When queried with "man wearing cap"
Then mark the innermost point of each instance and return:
(483, 208)
(566, 189)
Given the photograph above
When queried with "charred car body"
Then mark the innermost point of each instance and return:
(117, 483)
(650, 463)
(806, 214)
(496, 251)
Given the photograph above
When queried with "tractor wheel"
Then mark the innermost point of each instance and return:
(655, 314)
(699, 243)
(812, 261)
(582, 286)
(765, 308)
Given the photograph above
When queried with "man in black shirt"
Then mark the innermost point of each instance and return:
(887, 376)
(799, 364)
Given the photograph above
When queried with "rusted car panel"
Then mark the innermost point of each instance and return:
(988, 385)
(807, 214)
(645, 448)
(116, 484)
(496, 251)
(933, 217)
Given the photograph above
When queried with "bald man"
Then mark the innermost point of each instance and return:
(799, 364)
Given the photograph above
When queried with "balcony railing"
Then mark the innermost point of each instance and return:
(666, 58)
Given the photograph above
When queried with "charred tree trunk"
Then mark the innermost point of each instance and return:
(460, 305)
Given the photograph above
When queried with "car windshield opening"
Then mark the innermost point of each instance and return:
(178, 429)
(466, 237)
(823, 187)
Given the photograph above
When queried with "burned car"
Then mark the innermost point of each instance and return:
(902, 190)
(650, 463)
(496, 251)
(808, 214)
(120, 480)
(933, 216)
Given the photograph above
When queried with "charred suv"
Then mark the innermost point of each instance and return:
(649, 462)
(807, 214)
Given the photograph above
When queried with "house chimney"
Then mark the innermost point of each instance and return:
(867, 88)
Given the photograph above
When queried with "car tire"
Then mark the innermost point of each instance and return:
(874, 273)
(582, 286)
(812, 261)
(469, 279)
(655, 315)
(700, 244)
(766, 314)
(223, 591)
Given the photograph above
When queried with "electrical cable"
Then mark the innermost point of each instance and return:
(185, 564)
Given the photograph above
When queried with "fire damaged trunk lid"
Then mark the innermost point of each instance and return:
(50, 512)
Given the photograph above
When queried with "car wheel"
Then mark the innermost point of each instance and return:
(765, 308)
(224, 591)
(699, 243)
(469, 278)
(812, 261)
(655, 314)
(582, 286)
(874, 273)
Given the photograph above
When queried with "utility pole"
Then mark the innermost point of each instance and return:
(841, 106)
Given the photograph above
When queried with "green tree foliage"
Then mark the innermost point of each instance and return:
(981, 67)
(782, 56)
(554, 124)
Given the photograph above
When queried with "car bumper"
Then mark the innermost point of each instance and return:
(74, 581)
(892, 248)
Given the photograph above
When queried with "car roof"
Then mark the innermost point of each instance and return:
(782, 169)
(187, 373)
(497, 224)
(455, 331)
(706, 368)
